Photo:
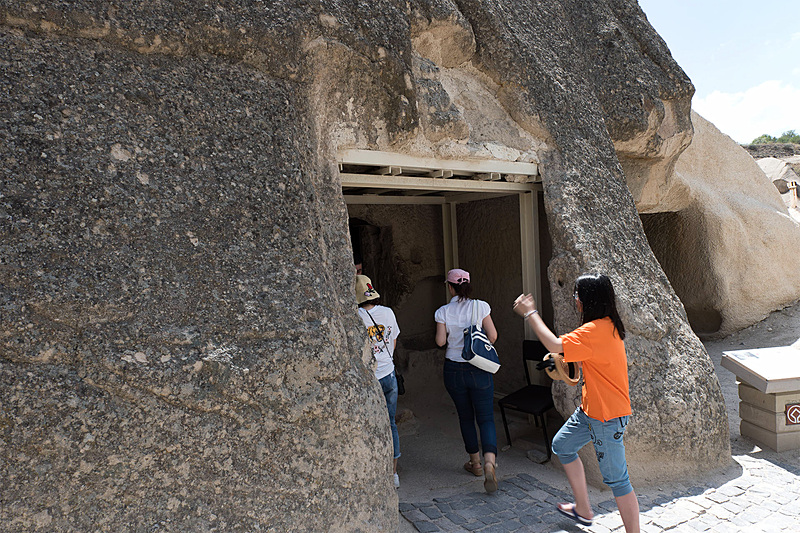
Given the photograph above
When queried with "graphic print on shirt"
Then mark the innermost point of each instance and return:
(377, 334)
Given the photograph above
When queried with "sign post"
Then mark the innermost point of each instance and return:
(769, 394)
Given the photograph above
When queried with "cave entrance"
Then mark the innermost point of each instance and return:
(412, 219)
(678, 246)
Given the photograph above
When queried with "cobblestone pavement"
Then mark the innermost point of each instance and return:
(758, 492)
(764, 498)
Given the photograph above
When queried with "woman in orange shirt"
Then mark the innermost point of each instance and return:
(605, 405)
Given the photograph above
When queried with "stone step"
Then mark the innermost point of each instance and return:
(780, 442)
(771, 421)
(775, 402)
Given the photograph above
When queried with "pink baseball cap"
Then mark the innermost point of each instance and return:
(458, 276)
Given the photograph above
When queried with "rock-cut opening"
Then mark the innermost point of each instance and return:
(410, 223)
(677, 244)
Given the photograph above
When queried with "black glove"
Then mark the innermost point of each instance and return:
(547, 364)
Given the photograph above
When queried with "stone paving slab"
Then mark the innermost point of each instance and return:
(765, 498)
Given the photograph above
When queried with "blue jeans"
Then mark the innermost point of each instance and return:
(472, 391)
(389, 386)
(609, 447)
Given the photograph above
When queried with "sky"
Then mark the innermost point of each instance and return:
(743, 58)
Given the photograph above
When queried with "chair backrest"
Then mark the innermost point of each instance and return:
(532, 351)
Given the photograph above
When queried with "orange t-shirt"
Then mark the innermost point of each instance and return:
(601, 352)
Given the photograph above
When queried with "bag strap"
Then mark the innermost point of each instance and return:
(378, 332)
(475, 312)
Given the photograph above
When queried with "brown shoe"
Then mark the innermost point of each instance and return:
(490, 484)
(475, 468)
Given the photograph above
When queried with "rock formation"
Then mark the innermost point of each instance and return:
(179, 344)
(730, 253)
(781, 163)
(783, 176)
(779, 150)
(779, 172)
(179, 348)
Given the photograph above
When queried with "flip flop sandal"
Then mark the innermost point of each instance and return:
(568, 510)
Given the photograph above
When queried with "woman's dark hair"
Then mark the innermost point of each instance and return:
(463, 290)
(374, 301)
(597, 297)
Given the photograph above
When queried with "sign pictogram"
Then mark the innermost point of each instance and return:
(792, 414)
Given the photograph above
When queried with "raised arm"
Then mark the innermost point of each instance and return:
(525, 306)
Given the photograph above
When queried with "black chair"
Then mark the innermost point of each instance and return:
(535, 400)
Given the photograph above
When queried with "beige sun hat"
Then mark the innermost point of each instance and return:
(364, 289)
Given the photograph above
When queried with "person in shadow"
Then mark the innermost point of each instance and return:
(383, 331)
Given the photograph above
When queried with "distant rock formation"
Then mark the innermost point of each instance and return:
(760, 151)
(783, 173)
(788, 153)
(780, 172)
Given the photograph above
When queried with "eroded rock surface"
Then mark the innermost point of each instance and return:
(179, 345)
(593, 219)
(731, 254)
(173, 355)
(783, 174)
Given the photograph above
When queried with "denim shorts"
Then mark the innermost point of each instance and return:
(609, 446)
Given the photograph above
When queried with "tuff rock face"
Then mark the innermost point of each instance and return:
(179, 347)
(752, 268)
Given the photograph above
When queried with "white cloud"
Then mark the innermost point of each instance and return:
(772, 107)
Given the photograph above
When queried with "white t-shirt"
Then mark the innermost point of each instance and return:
(457, 316)
(387, 329)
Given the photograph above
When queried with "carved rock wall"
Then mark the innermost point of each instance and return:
(179, 345)
(179, 348)
(593, 220)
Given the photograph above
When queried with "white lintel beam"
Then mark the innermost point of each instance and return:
(388, 171)
(487, 176)
(426, 184)
(376, 191)
(414, 193)
(458, 198)
(376, 158)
